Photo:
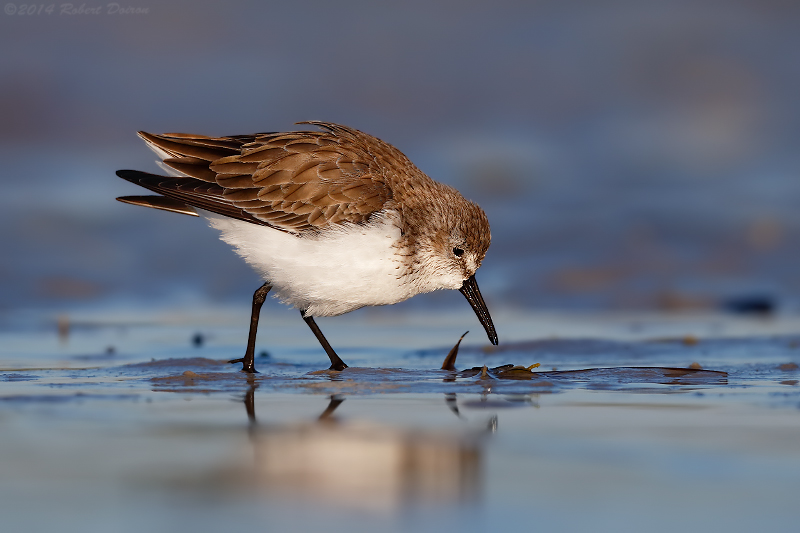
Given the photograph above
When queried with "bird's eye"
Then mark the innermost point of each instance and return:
(458, 252)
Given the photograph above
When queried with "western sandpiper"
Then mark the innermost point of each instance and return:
(333, 220)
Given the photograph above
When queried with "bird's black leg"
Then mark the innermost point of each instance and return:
(336, 362)
(248, 361)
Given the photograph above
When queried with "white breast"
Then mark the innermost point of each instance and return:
(337, 271)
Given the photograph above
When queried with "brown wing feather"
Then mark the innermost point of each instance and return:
(191, 154)
(189, 192)
(296, 181)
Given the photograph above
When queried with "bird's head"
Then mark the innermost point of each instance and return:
(451, 248)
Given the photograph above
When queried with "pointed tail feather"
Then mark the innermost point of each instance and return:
(159, 202)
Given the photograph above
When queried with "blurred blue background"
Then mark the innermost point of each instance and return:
(629, 154)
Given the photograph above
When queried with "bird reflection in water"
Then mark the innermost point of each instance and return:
(364, 465)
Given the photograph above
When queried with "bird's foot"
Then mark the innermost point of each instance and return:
(249, 368)
(338, 365)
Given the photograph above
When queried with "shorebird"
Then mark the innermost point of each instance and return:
(332, 220)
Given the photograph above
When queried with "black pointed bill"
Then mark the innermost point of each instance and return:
(473, 295)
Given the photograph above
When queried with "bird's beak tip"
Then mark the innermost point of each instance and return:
(473, 295)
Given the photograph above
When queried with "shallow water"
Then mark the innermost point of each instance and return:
(131, 426)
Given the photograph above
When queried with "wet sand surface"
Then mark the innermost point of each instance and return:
(131, 426)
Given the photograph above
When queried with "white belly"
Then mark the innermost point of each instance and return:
(337, 271)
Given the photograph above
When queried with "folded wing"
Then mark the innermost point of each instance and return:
(297, 182)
